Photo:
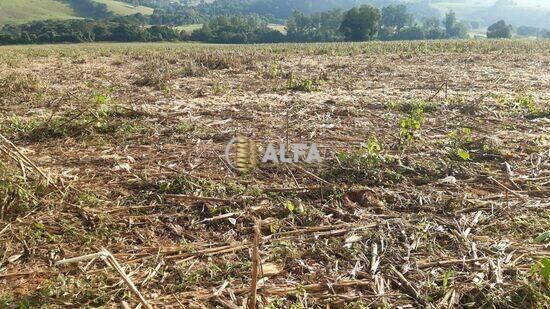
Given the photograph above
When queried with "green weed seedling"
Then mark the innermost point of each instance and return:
(409, 126)
(456, 144)
(304, 84)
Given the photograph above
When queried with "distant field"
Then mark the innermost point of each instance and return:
(123, 8)
(21, 11)
(189, 28)
(280, 28)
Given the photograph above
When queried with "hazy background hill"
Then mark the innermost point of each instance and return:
(534, 13)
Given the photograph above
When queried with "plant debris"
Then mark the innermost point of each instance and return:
(433, 190)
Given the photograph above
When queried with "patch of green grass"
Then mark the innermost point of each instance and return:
(358, 165)
(123, 8)
(103, 116)
(6, 300)
(457, 144)
(18, 193)
(186, 127)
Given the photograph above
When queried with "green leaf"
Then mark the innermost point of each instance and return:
(544, 237)
(446, 276)
(463, 154)
(101, 99)
(290, 206)
(545, 268)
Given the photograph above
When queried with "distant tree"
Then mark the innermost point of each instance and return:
(411, 33)
(528, 31)
(123, 29)
(450, 23)
(499, 30)
(430, 22)
(360, 23)
(128, 33)
(545, 34)
(6, 39)
(321, 27)
(176, 16)
(432, 31)
(278, 9)
(160, 33)
(102, 32)
(298, 26)
(453, 28)
(434, 34)
(90, 8)
(461, 30)
(386, 33)
(237, 29)
(396, 16)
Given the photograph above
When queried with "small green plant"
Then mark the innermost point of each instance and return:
(290, 206)
(17, 125)
(18, 193)
(273, 303)
(356, 165)
(542, 268)
(524, 101)
(447, 278)
(409, 126)
(6, 300)
(273, 71)
(304, 84)
(457, 144)
(392, 105)
(371, 151)
(186, 127)
(368, 154)
(543, 237)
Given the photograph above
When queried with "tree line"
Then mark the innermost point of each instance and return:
(361, 23)
(80, 31)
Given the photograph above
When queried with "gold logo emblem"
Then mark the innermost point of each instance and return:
(245, 154)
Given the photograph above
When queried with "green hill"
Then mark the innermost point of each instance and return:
(22, 11)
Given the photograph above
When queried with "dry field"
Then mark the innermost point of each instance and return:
(433, 190)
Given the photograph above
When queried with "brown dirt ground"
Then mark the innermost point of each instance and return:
(135, 140)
